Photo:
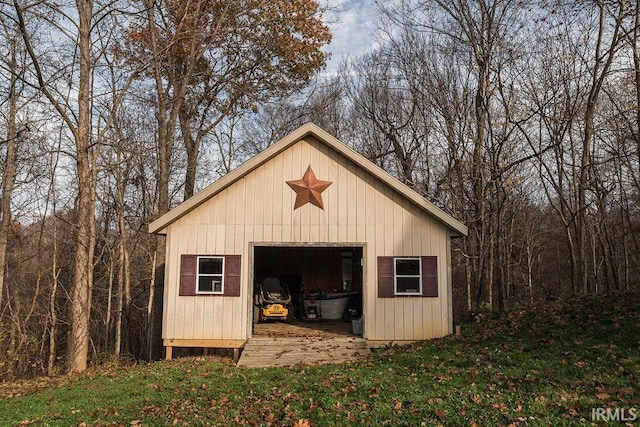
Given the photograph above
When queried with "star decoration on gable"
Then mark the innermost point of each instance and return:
(309, 189)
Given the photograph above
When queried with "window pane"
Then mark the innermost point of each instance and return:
(408, 285)
(210, 284)
(210, 266)
(407, 267)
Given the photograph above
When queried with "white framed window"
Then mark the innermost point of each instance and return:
(407, 276)
(210, 275)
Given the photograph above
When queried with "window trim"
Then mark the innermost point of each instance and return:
(396, 276)
(221, 275)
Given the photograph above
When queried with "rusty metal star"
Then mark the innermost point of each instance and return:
(309, 189)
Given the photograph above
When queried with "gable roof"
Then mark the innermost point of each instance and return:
(158, 226)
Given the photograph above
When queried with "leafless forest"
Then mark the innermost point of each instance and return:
(520, 118)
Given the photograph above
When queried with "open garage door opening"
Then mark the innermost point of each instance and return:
(307, 290)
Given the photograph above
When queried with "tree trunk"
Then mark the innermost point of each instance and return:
(122, 277)
(150, 306)
(9, 171)
(636, 65)
(192, 148)
(468, 280)
(53, 315)
(122, 295)
(108, 309)
(83, 278)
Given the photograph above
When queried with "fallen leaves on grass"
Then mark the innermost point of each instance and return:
(440, 413)
(270, 418)
(605, 393)
(569, 364)
(500, 407)
(603, 396)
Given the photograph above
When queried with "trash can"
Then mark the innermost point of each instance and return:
(356, 325)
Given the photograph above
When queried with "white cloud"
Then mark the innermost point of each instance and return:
(352, 24)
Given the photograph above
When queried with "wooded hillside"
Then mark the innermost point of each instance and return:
(521, 119)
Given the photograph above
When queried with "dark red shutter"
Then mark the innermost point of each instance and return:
(188, 268)
(232, 275)
(385, 277)
(429, 276)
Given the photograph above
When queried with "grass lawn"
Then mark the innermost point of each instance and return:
(556, 364)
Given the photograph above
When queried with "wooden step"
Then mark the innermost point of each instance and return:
(289, 351)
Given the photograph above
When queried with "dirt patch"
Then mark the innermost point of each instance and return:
(325, 329)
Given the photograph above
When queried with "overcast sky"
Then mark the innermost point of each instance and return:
(352, 24)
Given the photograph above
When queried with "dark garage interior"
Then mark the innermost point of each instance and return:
(313, 272)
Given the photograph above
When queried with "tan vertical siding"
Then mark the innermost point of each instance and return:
(259, 208)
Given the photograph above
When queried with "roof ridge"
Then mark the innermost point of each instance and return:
(298, 134)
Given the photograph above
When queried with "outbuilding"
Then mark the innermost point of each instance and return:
(314, 212)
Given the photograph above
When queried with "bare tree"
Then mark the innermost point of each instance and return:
(606, 44)
(9, 166)
(75, 111)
